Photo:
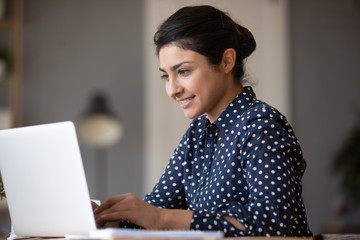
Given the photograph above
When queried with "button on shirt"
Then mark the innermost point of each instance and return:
(247, 164)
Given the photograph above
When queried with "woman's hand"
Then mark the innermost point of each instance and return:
(128, 207)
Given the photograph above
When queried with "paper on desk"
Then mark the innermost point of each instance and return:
(143, 233)
(76, 237)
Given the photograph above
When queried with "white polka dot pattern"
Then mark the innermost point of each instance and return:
(247, 164)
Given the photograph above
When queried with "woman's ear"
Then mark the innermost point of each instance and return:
(228, 60)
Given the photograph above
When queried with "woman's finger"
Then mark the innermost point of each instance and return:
(108, 203)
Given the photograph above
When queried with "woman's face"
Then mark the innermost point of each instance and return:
(195, 85)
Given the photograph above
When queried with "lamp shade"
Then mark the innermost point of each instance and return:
(99, 127)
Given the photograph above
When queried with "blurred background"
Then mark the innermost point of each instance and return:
(66, 53)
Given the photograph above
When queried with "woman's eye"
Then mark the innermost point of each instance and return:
(164, 77)
(184, 72)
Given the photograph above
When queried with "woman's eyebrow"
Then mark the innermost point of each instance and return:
(176, 66)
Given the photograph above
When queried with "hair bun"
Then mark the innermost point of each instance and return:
(246, 40)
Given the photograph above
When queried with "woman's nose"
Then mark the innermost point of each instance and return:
(173, 88)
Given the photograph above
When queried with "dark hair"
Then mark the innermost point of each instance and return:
(207, 31)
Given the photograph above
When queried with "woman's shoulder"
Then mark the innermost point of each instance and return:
(260, 110)
(247, 108)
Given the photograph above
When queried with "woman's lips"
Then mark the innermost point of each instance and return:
(184, 103)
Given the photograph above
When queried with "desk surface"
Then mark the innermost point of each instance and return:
(238, 238)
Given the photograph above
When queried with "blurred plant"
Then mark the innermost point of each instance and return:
(347, 162)
(2, 190)
(5, 56)
(5, 63)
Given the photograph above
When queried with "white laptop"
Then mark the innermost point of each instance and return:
(44, 181)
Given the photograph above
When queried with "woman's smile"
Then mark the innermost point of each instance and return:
(185, 102)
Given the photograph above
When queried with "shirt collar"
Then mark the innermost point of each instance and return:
(236, 108)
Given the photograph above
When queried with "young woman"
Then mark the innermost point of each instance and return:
(238, 168)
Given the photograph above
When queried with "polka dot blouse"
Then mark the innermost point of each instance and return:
(247, 164)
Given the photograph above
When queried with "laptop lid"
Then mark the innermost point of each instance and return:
(44, 181)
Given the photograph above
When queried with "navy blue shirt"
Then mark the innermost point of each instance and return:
(247, 164)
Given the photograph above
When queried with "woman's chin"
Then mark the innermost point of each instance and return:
(191, 115)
